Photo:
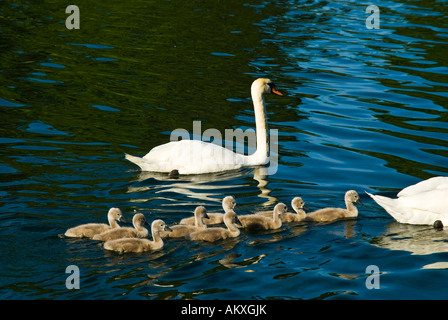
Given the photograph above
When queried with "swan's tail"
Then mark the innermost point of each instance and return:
(136, 160)
(389, 205)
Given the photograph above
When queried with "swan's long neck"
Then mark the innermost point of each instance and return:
(261, 154)
(276, 217)
(156, 239)
(198, 221)
(112, 222)
(300, 212)
(228, 221)
(142, 231)
(351, 208)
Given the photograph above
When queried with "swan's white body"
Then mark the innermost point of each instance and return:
(197, 157)
(422, 203)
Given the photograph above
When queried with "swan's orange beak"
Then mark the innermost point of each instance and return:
(275, 91)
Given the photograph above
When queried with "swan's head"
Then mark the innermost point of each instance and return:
(231, 218)
(200, 212)
(139, 220)
(297, 204)
(228, 203)
(264, 85)
(159, 226)
(280, 208)
(115, 214)
(352, 196)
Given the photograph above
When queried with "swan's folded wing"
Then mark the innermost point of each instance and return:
(193, 157)
(435, 183)
(424, 208)
(434, 201)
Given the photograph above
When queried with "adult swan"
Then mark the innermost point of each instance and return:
(196, 157)
(423, 203)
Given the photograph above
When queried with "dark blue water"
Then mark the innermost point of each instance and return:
(364, 109)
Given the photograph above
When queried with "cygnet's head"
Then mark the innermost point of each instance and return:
(352, 196)
(264, 85)
(231, 217)
(115, 214)
(297, 204)
(228, 203)
(201, 212)
(139, 220)
(159, 226)
(280, 208)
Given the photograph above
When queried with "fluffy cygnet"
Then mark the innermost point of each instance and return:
(228, 203)
(256, 222)
(180, 230)
(139, 231)
(216, 233)
(91, 229)
(331, 214)
(297, 204)
(139, 245)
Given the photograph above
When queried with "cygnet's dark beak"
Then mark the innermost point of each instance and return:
(305, 208)
(206, 216)
(168, 229)
(122, 219)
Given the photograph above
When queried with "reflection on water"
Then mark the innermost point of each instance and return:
(418, 240)
(206, 187)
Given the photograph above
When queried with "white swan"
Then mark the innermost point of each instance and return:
(139, 245)
(423, 203)
(196, 157)
(91, 229)
(139, 231)
(228, 203)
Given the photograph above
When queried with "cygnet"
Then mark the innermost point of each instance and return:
(228, 203)
(139, 245)
(139, 231)
(331, 214)
(180, 230)
(298, 206)
(91, 229)
(216, 233)
(257, 222)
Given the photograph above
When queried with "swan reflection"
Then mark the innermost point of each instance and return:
(417, 239)
(207, 187)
